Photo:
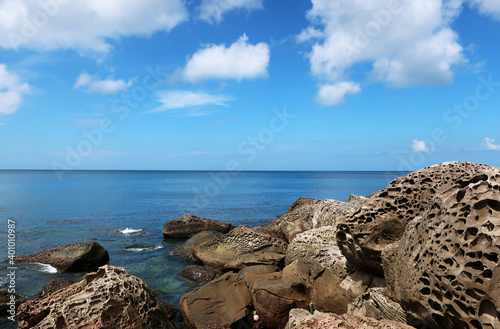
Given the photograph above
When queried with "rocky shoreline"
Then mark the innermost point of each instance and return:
(420, 253)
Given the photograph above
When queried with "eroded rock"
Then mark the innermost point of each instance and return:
(76, 257)
(53, 286)
(376, 304)
(108, 298)
(199, 273)
(188, 225)
(186, 250)
(7, 307)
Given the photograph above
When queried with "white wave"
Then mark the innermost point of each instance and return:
(145, 248)
(131, 230)
(46, 268)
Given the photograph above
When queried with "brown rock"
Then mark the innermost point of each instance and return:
(258, 269)
(53, 286)
(186, 251)
(7, 308)
(376, 304)
(76, 257)
(217, 304)
(108, 298)
(445, 270)
(188, 225)
(382, 219)
(241, 247)
(307, 213)
(199, 274)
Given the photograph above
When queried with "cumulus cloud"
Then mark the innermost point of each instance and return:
(334, 94)
(419, 146)
(488, 7)
(407, 43)
(93, 84)
(239, 61)
(11, 91)
(212, 10)
(85, 25)
(489, 144)
(184, 99)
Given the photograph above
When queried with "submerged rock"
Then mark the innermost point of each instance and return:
(76, 257)
(53, 286)
(308, 213)
(108, 298)
(241, 247)
(217, 304)
(445, 270)
(188, 225)
(199, 274)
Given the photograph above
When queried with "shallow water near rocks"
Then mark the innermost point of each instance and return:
(125, 211)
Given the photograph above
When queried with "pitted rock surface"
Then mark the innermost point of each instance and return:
(188, 225)
(241, 247)
(186, 250)
(75, 257)
(53, 286)
(308, 213)
(376, 304)
(445, 270)
(108, 298)
(382, 219)
(301, 319)
(318, 249)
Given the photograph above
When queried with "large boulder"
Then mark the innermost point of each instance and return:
(108, 298)
(308, 213)
(302, 319)
(274, 295)
(76, 257)
(382, 218)
(217, 304)
(54, 285)
(186, 250)
(376, 304)
(241, 247)
(445, 270)
(188, 225)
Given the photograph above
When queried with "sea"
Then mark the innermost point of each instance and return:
(125, 211)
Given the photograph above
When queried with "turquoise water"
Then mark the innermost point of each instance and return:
(100, 205)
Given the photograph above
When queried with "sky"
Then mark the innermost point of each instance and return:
(248, 84)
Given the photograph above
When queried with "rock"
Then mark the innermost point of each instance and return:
(332, 293)
(307, 213)
(445, 270)
(382, 219)
(188, 225)
(186, 251)
(357, 199)
(239, 248)
(318, 249)
(258, 269)
(76, 257)
(377, 305)
(301, 320)
(199, 273)
(53, 286)
(6, 303)
(298, 275)
(108, 298)
(217, 304)
(274, 296)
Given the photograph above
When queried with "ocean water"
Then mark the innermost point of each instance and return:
(124, 210)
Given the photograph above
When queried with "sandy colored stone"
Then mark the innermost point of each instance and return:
(188, 225)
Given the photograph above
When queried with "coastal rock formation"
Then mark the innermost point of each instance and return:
(217, 304)
(302, 319)
(53, 286)
(188, 225)
(186, 251)
(258, 269)
(76, 257)
(199, 273)
(376, 304)
(241, 247)
(445, 270)
(7, 308)
(382, 219)
(318, 249)
(308, 213)
(274, 295)
(108, 298)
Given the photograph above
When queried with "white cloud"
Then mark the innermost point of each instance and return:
(419, 146)
(212, 10)
(241, 60)
(11, 91)
(308, 34)
(334, 94)
(94, 84)
(488, 7)
(489, 144)
(183, 99)
(407, 44)
(85, 25)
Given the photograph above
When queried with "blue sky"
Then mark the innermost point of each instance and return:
(248, 84)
